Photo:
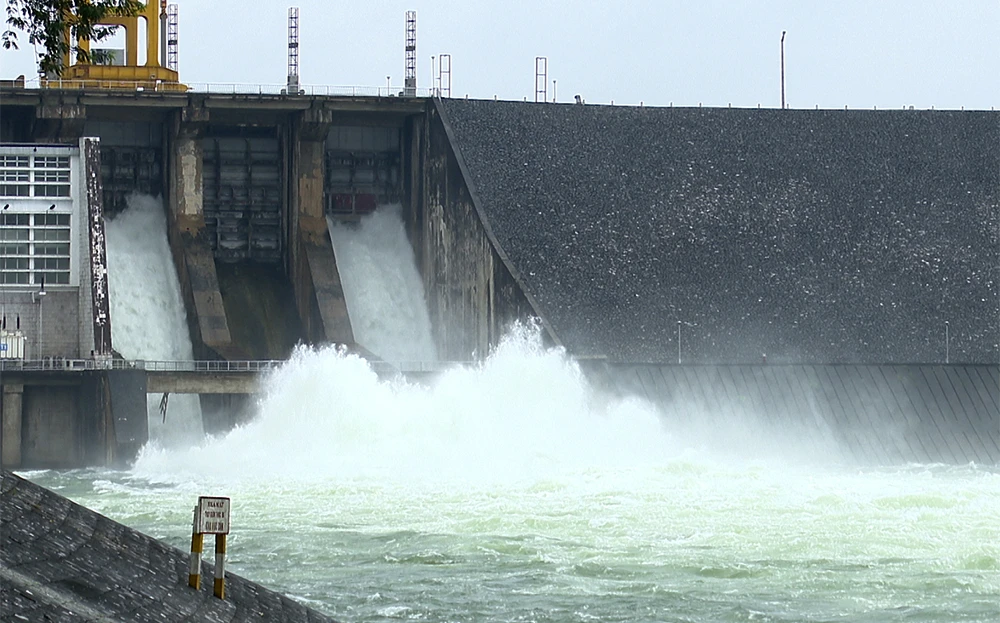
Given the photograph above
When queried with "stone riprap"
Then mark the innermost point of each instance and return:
(62, 562)
(809, 236)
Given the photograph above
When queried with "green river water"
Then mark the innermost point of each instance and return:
(514, 492)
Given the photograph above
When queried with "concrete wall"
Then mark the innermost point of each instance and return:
(51, 431)
(58, 334)
(56, 420)
(471, 294)
(130, 422)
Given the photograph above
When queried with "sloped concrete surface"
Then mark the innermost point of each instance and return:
(62, 562)
(808, 236)
(867, 414)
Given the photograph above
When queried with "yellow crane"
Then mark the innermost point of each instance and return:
(153, 75)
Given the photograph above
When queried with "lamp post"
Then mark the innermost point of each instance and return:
(947, 343)
(38, 297)
(678, 342)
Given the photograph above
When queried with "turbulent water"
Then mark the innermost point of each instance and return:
(513, 491)
(382, 287)
(148, 321)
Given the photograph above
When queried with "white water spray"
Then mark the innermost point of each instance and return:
(384, 293)
(148, 320)
(526, 412)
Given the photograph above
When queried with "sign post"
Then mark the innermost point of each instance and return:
(211, 516)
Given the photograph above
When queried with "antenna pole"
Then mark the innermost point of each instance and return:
(410, 70)
(172, 32)
(163, 33)
(782, 69)
(541, 78)
(293, 50)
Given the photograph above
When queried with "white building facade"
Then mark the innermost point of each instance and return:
(51, 246)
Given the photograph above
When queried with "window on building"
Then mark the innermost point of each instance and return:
(34, 248)
(15, 176)
(34, 176)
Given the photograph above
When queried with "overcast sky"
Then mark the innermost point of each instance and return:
(856, 53)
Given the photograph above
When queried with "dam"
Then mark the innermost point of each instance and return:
(684, 239)
(475, 360)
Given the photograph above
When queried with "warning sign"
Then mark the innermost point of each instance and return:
(212, 516)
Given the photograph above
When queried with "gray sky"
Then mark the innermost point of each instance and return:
(858, 53)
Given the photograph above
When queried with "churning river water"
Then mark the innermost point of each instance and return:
(513, 491)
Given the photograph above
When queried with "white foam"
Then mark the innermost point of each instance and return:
(382, 286)
(148, 320)
(526, 411)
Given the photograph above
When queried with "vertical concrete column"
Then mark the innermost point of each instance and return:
(308, 168)
(13, 394)
(188, 241)
(314, 267)
(188, 185)
(185, 175)
(312, 221)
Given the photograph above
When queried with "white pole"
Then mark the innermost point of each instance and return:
(947, 343)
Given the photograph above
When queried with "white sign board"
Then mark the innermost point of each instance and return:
(212, 516)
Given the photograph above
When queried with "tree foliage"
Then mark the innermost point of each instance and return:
(46, 23)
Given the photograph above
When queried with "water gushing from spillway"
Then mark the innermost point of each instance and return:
(148, 320)
(525, 412)
(513, 490)
(382, 287)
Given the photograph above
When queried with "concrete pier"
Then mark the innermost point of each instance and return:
(12, 407)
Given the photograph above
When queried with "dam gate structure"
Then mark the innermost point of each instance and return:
(506, 227)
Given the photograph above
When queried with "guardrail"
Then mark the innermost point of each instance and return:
(59, 364)
(230, 88)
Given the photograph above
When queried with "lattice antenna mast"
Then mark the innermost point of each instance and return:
(293, 50)
(410, 73)
(541, 78)
(173, 25)
(163, 33)
(444, 75)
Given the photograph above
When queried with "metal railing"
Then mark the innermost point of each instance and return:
(71, 365)
(228, 88)
(61, 364)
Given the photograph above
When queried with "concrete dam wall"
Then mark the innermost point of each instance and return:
(649, 239)
(805, 236)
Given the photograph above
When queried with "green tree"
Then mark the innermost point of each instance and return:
(46, 23)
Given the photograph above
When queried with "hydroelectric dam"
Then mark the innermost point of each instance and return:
(829, 272)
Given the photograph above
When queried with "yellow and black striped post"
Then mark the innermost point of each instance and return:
(220, 566)
(211, 516)
(194, 573)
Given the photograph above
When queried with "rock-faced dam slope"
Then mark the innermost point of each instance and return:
(807, 236)
(60, 561)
